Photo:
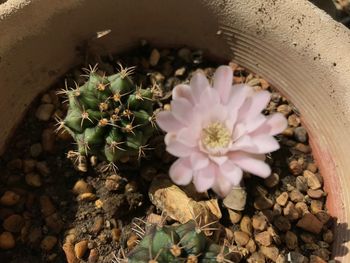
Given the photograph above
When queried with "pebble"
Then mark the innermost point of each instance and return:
(97, 226)
(293, 120)
(132, 241)
(291, 240)
(323, 216)
(9, 198)
(81, 187)
(302, 148)
(312, 180)
(185, 54)
(262, 203)
(93, 256)
(301, 184)
(44, 111)
(7, 241)
(316, 206)
(47, 207)
(291, 212)
(68, 249)
(272, 180)
(46, 98)
(35, 150)
(282, 199)
(277, 210)
(256, 257)
(48, 243)
(54, 222)
(263, 238)
(251, 246)
(154, 57)
(113, 182)
(285, 109)
(29, 165)
(300, 134)
(316, 259)
(282, 223)
(235, 217)
(241, 238)
(33, 179)
(295, 167)
(316, 194)
(323, 253)
(48, 138)
(312, 167)
(42, 168)
(236, 199)
(271, 252)
(246, 225)
(259, 222)
(13, 223)
(86, 197)
(328, 236)
(34, 236)
(296, 196)
(80, 248)
(116, 234)
(302, 208)
(310, 223)
(289, 132)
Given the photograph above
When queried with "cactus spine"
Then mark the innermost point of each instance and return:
(109, 116)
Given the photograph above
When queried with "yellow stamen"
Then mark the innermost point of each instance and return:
(216, 135)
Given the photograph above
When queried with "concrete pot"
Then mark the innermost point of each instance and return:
(297, 47)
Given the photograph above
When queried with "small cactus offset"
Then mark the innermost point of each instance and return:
(181, 243)
(109, 116)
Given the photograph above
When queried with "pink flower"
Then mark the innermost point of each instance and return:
(218, 132)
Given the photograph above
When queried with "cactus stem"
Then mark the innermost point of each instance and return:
(142, 150)
(127, 113)
(103, 106)
(193, 258)
(59, 124)
(90, 70)
(85, 116)
(156, 91)
(152, 121)
(121, 258)
(110, 167)
(138, 230)
(115, 117)
(64, 91)
(154, 260)
(115, 145)
(103, 122)
(125, 72)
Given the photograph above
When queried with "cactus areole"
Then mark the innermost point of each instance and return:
(109, 116)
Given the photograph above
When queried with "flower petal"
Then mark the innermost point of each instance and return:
(239, 94)
(219, 160)
(222, 186)
(199, 160)
(209, 96)
(265, 144)
(183, 91)
(204, 179)
(189, 136)
(244, 143)
(198, 84)
(167, 122)
(250, 164)
(182, 110)
(178, 149)
(223, 82)
(180, 171)
(231, 172)
(274, 124)
(254, 105)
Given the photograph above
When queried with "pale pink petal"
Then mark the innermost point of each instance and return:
(167, 122)
(223, 82)
(209, 96)
(198, 84)
(238, 131)
(231, 172)
(254, 123)
(183, 91)
(254, 105)
(239, 93)
(178, 149)
(245, 143)
(274, 124)
(182, 110)
(222, 186)
(219, 160)
(204, 179)
(189, 136)
(250, 164)
(265, 144)
(199, 160)
(180, 171)
(217, 113)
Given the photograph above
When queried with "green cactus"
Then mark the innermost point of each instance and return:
(109, 116)
(182, 243)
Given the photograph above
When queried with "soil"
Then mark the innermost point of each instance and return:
(47, 205)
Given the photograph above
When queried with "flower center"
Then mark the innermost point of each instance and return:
(215, 136)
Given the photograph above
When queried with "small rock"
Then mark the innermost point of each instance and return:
(312, 180)
(42, 168)
(263, 238)
(34, 236)
(316, 194)
(87, 197)
(246, 225)
(301, 184)
(241, 238)
(328, 236)
(277, 210)
(251, 246)
(185, 54)
(48, 138)
(113, 182)
(93, 256)
(316, 206)
(270, 252)
(81, 187)
(300, 134)
(97, 226)
(293, 120)
(7, 241)
(154, 57)
(235, 217)
(295, 167)
(281, 259)
(132, 241)
(47, 207)
(308, 238)
(289, 132)
(310, 223)
(33, 179)
(296, 257)
(48, 243)
(259, 222)
(282, 223)
(9, 198)
(155, 219)
(131, 187)
(312, 167)
(302, 208)
(54, 222)
(44, 112)
(282, 199)
(285, 109)
(80, 248)
(180, 72)
(302, 148)
(68, 249)
(296, 196)
(316, 259)
(29, 165)
(256, 257)
(291, 212)
(262, 203)
(116, 234)
(236, 199)
(291, 240)
(323, 253)
(15, 164)
(13, 223)
(35, 150)
(272, 180)
(323, 216)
